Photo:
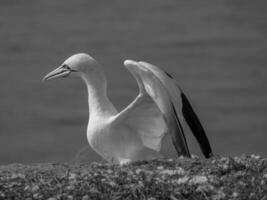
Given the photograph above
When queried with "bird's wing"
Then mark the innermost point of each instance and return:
(152, 114)
(182, 107)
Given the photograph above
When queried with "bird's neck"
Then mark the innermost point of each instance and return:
(99, 104)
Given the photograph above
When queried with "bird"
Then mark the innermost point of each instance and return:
(136, 132)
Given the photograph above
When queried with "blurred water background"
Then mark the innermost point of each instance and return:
(215, 49)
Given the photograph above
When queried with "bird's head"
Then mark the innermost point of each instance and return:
(78, 64)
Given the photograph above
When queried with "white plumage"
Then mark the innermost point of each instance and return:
(137, 131)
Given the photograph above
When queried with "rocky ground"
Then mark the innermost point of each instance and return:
(242, 177)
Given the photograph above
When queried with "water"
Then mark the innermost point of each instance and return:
(215, 49)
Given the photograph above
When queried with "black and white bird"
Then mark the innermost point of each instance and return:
(136, 132)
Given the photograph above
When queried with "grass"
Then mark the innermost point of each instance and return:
(219, 178)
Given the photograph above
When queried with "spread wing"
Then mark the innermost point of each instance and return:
(182, 107)
(152, 113)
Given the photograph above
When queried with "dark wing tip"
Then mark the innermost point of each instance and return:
(196, 127)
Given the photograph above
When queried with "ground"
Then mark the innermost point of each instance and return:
(218, 178)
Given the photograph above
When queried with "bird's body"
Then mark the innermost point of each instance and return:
(117, 145)
(136, 132)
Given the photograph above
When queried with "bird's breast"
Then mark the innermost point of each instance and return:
(98, 136)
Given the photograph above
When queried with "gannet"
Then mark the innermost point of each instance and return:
(136, 132)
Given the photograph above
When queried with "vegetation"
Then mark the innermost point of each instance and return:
(218, 178)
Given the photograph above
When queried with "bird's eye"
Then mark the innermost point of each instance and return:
(66, 67)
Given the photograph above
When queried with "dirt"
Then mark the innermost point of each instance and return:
(218, 178)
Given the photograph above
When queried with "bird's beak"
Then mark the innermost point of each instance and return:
(58, 72)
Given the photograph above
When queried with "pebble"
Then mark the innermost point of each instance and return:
(70, 187)
(219, 195)
(72, 176)
(179, 171)
(181, 180)
(85, 197)
(19, 175)
(160, 167)
(2, 195)
(35, 188)
(37, 196)
(198, 180)
(235, 194)
(257, 157)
